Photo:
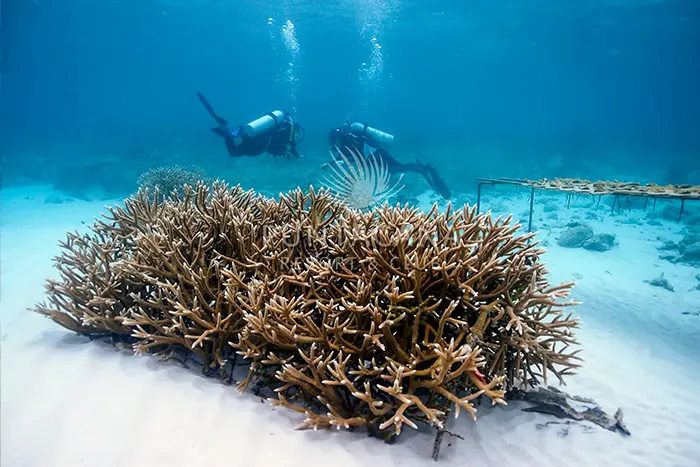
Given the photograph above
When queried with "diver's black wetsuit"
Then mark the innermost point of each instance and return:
(278, 141)
(346, 137)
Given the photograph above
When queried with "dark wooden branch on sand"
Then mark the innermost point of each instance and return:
(441, 432)
(552, 401)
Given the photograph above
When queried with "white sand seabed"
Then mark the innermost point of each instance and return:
(67, 401)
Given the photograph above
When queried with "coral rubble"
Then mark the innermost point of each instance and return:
(374, 319)
(688, 249)
(662, 282)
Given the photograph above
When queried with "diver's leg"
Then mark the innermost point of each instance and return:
(222, 122)
(233, 149)
(427, 171)
(438, 183)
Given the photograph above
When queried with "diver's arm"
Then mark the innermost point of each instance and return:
(295, 152)
(281, 141)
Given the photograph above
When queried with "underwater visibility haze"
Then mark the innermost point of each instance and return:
(99, 92)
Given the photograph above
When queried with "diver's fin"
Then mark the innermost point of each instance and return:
(222, 122)
(436, 182)
(429, 179)
(434, 179)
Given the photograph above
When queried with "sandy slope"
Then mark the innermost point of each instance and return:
(67, 401)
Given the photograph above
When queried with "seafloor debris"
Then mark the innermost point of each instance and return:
(688, 250)
(673, 259)
(668, 245)
(661, 281)
(371, 320)
(552, 401)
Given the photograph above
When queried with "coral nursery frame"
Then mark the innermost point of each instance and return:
(617, 189)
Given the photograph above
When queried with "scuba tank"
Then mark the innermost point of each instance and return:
(264, 123)
(378, 135)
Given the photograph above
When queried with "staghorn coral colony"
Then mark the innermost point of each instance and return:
(374, 319)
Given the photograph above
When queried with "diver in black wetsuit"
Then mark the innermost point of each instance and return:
(364, 140)
(275, 133)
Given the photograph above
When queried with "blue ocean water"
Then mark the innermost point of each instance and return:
(95, 93)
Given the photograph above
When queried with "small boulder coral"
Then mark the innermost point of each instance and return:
(600, 242)
(575, 236)
(373, 319)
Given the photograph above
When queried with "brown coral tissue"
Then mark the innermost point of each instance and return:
(374, 319)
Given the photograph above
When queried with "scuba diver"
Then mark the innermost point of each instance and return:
(366, 140)
(275, 133)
